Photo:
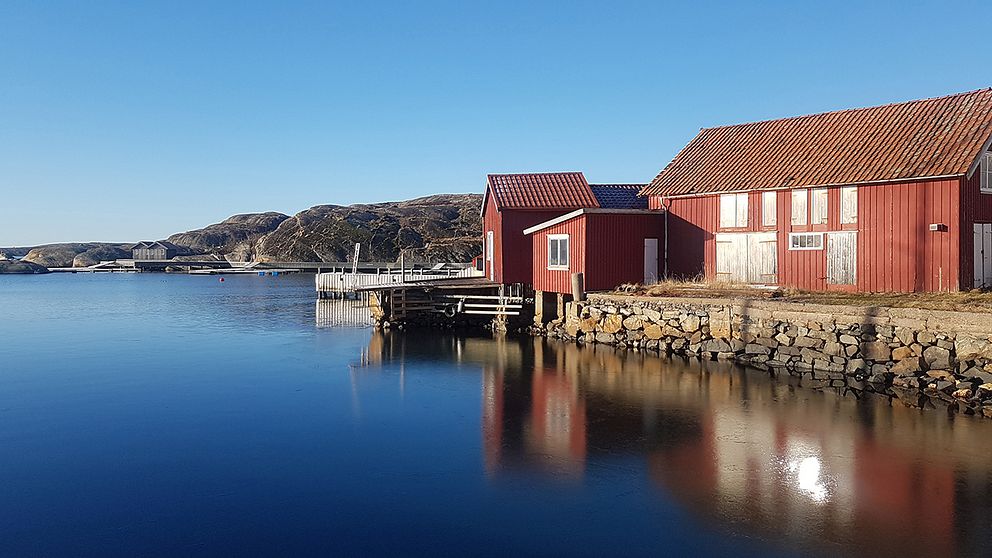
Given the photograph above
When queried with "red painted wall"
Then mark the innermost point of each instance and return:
(607, 248)
(896, 250)
(509, 240)
(559, 280)
(976, 207)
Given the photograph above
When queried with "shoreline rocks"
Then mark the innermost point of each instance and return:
(924, 359)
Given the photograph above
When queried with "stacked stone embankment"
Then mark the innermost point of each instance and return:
(923, 358)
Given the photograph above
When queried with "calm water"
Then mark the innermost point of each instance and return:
(179, 415)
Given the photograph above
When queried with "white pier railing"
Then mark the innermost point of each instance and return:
(346, 281)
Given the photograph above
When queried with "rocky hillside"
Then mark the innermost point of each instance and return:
(444, 227)
(434, 228)
(223, 237)
(76, 254)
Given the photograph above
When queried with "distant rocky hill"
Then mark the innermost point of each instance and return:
(444, 227)
(224, 236)
(76, 254)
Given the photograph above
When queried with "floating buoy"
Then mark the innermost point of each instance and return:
(221, 279)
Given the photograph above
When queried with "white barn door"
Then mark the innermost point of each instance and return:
(983, 255)
(747, 257)
(650, 261)
(842, 258)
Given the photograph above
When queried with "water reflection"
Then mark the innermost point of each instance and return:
(343, 312)
(743, 451)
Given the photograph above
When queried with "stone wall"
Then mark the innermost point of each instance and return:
(923, 358)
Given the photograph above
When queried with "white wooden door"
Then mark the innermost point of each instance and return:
(842, 258)
(650, 261)
(489, 255)
(983, 255)
(747, 257)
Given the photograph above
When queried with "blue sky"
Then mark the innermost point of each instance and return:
(124, 121)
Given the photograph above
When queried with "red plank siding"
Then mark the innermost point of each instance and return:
(691, 246)
(511, 248)
(559, 280)
(614, 248)
(896, 250)
(607, 248)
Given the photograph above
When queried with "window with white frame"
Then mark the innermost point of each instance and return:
(849, 205)
(769, 207)
(818, 209)
(557, 251)
(805, 241)
(799, 212)
(733, 211)
(986, 173)
(489, 246)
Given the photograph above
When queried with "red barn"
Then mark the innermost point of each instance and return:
(890, 198)
(608, 246)
(512, 203)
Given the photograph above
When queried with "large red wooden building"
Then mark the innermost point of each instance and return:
(890, 198)
(894, 198)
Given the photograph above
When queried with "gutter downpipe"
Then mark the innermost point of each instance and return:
(665, 204)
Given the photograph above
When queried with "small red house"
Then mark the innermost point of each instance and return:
(512, 203)
(609, 247)
(890, 198)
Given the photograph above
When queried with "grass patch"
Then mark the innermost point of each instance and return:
(972, 301)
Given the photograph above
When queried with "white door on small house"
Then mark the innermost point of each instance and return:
(747, 257)
(650, 261)
(842, 258)
(983, 255)
(489, 255)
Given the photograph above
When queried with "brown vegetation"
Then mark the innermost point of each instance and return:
(972, 301)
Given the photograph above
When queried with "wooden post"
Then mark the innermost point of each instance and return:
(402, 268)
(578, 287)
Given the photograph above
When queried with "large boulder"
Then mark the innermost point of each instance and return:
(64, 255)
(21, 267)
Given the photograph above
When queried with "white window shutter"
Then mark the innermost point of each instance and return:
(769, 208)
(799, 198)
(728, 210)
(741, 210)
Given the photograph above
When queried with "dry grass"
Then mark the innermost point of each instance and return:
(974, 301)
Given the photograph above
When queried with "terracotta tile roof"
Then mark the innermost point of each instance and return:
(619, 196)
(545, 190)
(916, 139)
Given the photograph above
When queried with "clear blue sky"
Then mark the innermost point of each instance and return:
(124, 121)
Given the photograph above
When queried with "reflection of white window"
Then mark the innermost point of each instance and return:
(986, 173)
(799, 212)
(557, 251)
(818, 215)
(806, 241)
(769, 206)
(849, 205)
(733, 211)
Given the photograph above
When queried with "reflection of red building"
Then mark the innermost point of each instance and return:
(551, 433)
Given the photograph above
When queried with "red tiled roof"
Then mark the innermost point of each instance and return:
(545, 190)
(916, 139)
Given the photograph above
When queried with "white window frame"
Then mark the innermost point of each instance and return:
(795, 241)
(556, 262)
(985, 173)
(800, 195)
(769, 201)
(849, 205)
(489, 245)
(819, 199)
(737, 202)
